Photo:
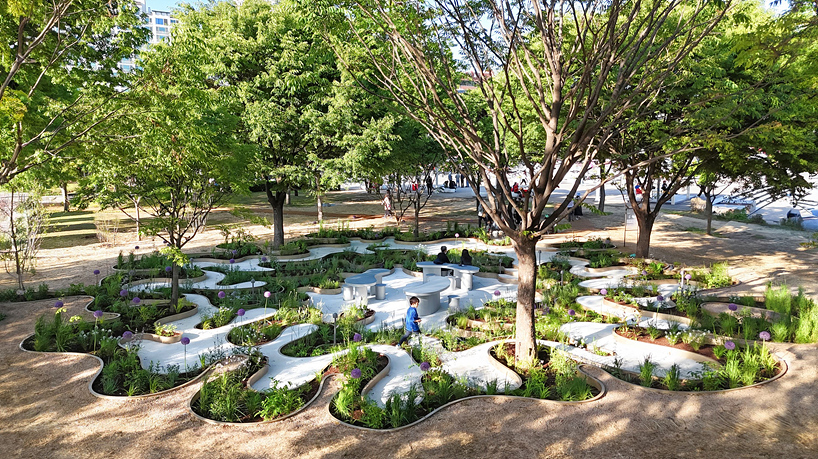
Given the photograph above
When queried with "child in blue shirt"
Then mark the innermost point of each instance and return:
(412, 320)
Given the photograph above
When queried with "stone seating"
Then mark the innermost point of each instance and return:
(428, 293)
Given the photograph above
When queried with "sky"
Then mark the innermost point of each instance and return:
(162, 5)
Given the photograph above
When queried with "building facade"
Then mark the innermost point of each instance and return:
(159, 23)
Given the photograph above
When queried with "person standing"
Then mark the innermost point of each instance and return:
(577, 207)
(387, 204)
(481, 215)
(429, 184)
(412, 320)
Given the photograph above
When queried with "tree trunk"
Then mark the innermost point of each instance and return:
(526, 349)
(65, 203)
(138, 228)
(319, 198)
(601, 203)
(708, 210)
(288, 198)
(18, 264)
(416, 232)
(174, 286)
(645, 224)
(276, 200)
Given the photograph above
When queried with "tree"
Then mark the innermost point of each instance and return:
(181, 158)
(283, 76)
(58, 74)
(26, 220)
(414, 158)
(741, 111)
(580, 70)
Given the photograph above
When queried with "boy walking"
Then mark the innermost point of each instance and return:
(412, 320)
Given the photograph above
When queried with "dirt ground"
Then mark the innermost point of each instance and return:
(46, 409)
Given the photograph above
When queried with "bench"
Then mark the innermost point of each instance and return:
(358, 285)
(428, 293)
(464, 273)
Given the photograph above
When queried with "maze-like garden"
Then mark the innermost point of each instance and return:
(260, 331)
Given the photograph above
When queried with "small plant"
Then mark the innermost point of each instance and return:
(279, 401)
(165, 329)
(673, 337)
(693, 338)
(672, 379)
(646, 369)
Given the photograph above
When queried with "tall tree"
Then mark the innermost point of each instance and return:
(180, 159)
(283, 75)
(584, 69)
(58, 74)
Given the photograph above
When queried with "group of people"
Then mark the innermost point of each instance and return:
(443, 257)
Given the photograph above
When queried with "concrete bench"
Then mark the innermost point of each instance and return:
(464, 273)
(428, 293)
(360, 283)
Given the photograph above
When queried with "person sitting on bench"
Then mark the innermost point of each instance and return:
(465, 258)
(442, 259)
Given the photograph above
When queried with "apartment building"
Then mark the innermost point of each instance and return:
(159, 23)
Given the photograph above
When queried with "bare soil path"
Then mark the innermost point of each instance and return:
(47, 410)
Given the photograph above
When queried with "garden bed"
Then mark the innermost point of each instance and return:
(555, 378)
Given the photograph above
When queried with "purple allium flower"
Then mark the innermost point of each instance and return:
(240, 312)
(729, 345)
(221, 294)
(267, 294)
(58, 304)
(425, 366)
(765, 335)
(355, 373)
(496, 293)
(572, 313)
(263, 259)
(185, 341)
(732, 307)
(123, 293)
(96, 272)
(98, 313)
(234, 252)
(660, 298)
(546, 310)
(604, 291)
(127, 336)
(357, 337)
(688, 276)
(136, 300)
(644, 273)
(232, 260)
(168, 269)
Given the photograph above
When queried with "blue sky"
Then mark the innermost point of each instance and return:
(164, 5)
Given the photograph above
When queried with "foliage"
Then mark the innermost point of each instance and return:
(59, 78)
